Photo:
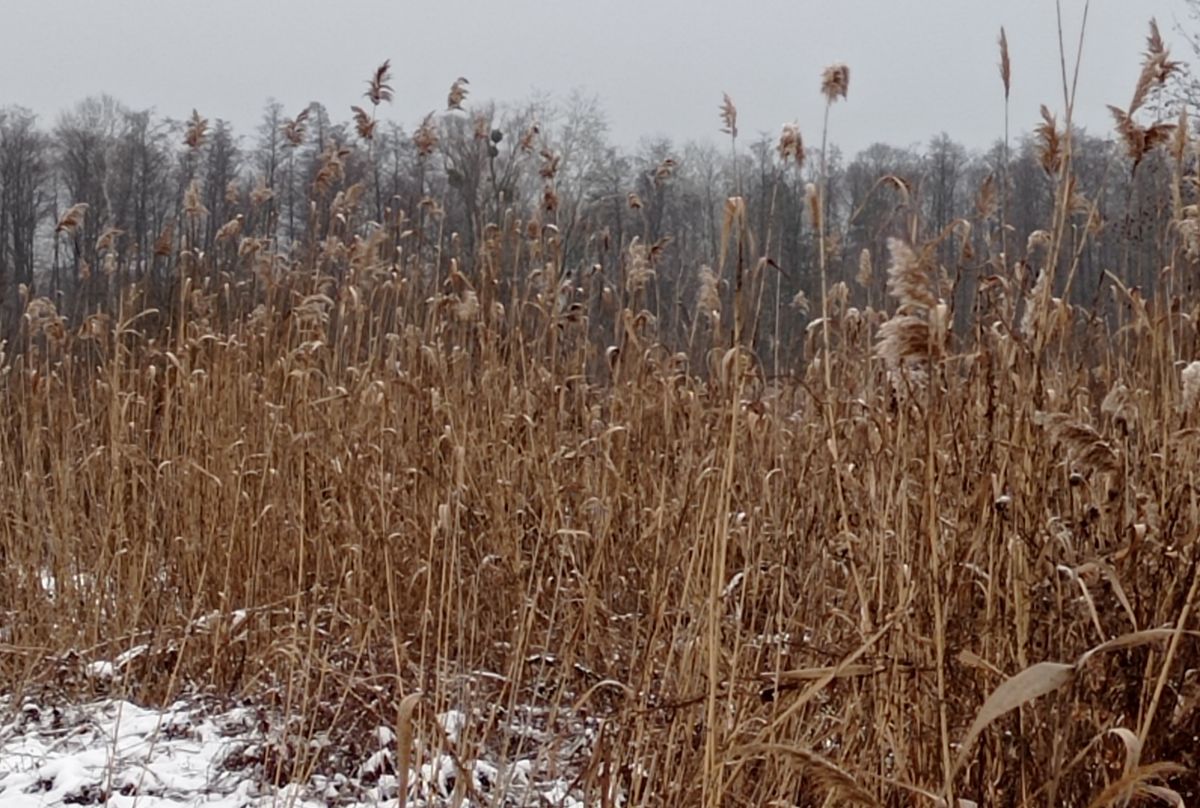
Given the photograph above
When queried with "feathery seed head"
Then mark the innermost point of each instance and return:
(1005, 64)
(1120, 405)
(1050, 145)
(835, 82)
(639, 269)
(378, 89)
(261, 193)
(863, 276)
(908, 280)
(791, 145)
(708, 297)
(72, 219)
(193, 207)
(426, 137)
(293, 128)
(902, 338)
(800, 302)
(196, 131)
(664, 171)
(1190, 377)
(812, 199)
(1085, 447)
(529, 137)
(1035, 307)
(1038, 239)
(458, 94)
(728, 116)
(364, 123)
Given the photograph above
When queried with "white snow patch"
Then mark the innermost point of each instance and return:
(116, 753)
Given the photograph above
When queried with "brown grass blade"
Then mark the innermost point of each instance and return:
(811, 674)
(1133, 747)
(1031, 683)
(1133, 640)
(1139, 782)
(404, 739)
(820, 770)
(1167, 795)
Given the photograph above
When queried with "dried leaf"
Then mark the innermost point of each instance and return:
(1031, 683)
(404, 736)
(820, 770)
(1138, 782)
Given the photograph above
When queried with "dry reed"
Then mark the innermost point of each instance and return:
(370, 476)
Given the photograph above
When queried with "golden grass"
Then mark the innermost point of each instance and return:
(368, 484)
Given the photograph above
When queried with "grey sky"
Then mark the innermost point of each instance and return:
(918, 67)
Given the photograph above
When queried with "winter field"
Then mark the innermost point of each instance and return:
(112, 752)
(443, 469)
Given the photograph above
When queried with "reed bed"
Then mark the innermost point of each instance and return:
(371, 479)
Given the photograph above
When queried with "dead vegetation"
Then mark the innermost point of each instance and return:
(375, 479)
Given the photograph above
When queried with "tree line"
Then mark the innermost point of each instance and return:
(108, 198)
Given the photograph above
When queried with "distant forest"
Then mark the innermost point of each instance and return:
(106, 198)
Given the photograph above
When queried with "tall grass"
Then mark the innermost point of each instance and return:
(364, 484)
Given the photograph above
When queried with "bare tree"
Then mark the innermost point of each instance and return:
(84, 140)
(266, 161)
(142, 195)
(24, 176)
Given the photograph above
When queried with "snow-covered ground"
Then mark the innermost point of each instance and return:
(112, 752)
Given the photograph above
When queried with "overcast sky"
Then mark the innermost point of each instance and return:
(918, 67)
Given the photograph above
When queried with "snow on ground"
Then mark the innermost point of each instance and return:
(112, 752)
